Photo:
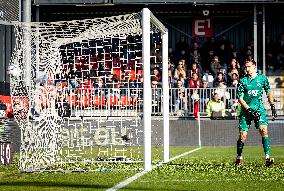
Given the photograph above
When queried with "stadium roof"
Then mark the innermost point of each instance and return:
(111, 2)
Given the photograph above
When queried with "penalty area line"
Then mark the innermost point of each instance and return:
(138, 175)
(183, 154)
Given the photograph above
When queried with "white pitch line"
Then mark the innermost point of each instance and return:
(138, 175)
(180, 180)
(183, 154)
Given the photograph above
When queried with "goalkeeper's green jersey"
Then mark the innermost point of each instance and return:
(251, 91)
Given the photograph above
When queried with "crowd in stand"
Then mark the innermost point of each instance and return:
(217, 61)
(213, 64)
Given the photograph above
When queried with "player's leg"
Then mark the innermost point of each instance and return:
(244, 124)
(266, 144)
(263, 130)
(240, 146)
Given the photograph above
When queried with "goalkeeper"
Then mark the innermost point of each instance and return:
(249, 94)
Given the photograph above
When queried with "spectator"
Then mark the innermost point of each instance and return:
(195, 68)
(172, 81)
(109, 81)
(219, 79)
(157, 76)
(223, 93)
(235, 83)
(215, 108)
(156, 97)
(3, 108)
(182, 63)
(183, 80)
(99, 87)
(195, 83)
(234, 64)
(62, 106)
(116, 89)
(48, 93)
(206, 61)
(136, 91)
(222, 55)
(171, 66)
(234, 67)
(215, 64)
(86, 83)
(126, 83)
(73, 83)
(93, 71)
(205, 93)
(179, 98)
(195, 53)
(208, 77)
(235, 77)
(156, 53)
(233, 100)
(179, 71)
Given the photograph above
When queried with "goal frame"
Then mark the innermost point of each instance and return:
(148, 20)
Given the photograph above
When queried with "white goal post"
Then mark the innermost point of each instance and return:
(38, 56)
(147, 18)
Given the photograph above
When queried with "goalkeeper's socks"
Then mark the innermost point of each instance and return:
(240, 157)
(266, 145)
(240, 146)
(267, 156)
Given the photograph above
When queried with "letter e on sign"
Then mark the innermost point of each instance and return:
(202, 27)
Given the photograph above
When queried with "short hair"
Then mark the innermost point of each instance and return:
(215, 94)
(252, 61)
(219, 73)
(195, 73)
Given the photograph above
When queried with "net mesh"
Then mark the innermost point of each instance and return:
(52, 114)
(9, 10)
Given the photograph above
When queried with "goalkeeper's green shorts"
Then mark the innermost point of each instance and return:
(245, 121)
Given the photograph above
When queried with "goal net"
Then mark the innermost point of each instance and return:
(81, 93)
(9, 11)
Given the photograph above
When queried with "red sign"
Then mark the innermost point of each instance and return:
(7, 100)
(202, 27)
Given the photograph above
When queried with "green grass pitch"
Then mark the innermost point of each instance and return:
(210, 168)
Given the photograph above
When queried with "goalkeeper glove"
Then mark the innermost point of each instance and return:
(254, 114)
(273, 110)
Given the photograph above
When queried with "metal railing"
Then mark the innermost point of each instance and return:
(129, 101)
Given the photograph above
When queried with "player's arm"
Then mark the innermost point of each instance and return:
(243, 103)
(270, 98)
(240, 95)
